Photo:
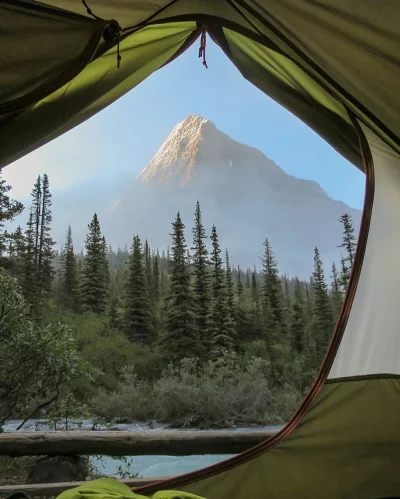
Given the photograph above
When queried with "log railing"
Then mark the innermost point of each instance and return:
(132, 443)
(110, 443)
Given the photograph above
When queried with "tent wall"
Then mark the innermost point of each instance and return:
(371, 342)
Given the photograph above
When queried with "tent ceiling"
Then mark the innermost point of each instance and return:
(315, 57)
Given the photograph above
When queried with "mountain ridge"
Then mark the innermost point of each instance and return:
(243, 192)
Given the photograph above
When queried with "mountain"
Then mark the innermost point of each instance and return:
(243, 192)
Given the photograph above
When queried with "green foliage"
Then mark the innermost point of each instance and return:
(221, 392)
(243, 346)
(219, 322)
(34, 361)
(201, 280)
(137, 309)
(323, 318)
(9, 209)
(349, 245)
(180, 338)
(69, 292)
(272, 301)
(94, 276)
(297, 328)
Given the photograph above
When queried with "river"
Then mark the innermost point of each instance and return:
(144, 466)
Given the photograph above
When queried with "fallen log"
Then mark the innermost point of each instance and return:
(54, 489)
(133, 443)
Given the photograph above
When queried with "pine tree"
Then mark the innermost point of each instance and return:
(230, 301)
(156, 278)
(148, 271)
(336, 294)
(323, 323)
(137, 315)
(94, 278)
(248, 281)
(181, 339)
(201, 279)
(349, 245)
(271, 295)
(349, 240)
(239, 284)
(36, 208)
(45, 270)
(29, 283)
(297, 326)
(345, 271)
(220, 332)
(105, 253)
(16, 252)
(69, 274)
(254, 287)
(9, 209)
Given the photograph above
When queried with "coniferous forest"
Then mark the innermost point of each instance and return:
(181, 335)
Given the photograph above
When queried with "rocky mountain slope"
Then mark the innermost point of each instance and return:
(242, 191)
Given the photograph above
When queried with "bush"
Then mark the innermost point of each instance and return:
(220, 393)
(35, 362)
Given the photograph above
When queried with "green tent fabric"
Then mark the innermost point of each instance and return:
(318, 58)
(110, 488)
(335, 64)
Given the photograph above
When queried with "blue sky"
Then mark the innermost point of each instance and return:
(102, 148)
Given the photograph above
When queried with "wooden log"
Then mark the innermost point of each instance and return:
(133, 443)
(53, 489)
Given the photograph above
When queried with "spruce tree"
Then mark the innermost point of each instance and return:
(344, 276)
(94, 276)
(336, 294)
(239, 284)
(248, 279)
(28, 279)
(230, 301)
(156, 278)
(297, 326)
(137, 316)
(148, 271)
(16, 252)
(36, 209)
(105, 252)
(9, 209)
(45, 270)
(201, 279)
(220, 332)
(349, 245)
(272, 300)
(349, 240)
(323, 320)
(69, 274)
(181, 339)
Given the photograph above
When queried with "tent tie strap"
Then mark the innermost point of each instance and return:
(111, 33)
(202, 49)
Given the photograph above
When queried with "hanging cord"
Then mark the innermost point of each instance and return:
(111, 33)
(202, 49)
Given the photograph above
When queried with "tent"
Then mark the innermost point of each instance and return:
(336, 65)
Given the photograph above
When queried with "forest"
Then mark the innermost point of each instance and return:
(180, 336)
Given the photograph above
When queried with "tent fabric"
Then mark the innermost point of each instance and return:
(110, 488)
(336, 65)
(349, 52)
(347, 446)
(97, 86)
(371, 342)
